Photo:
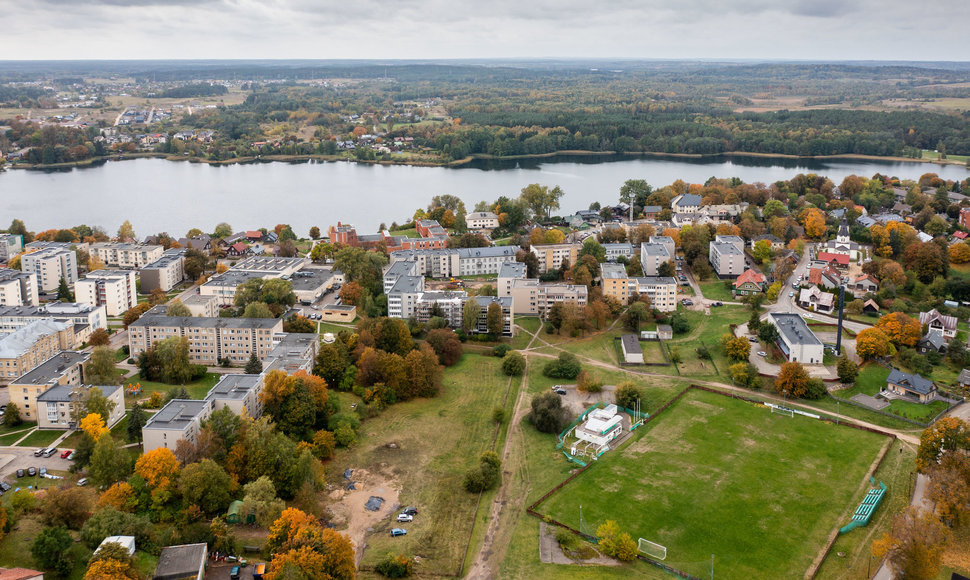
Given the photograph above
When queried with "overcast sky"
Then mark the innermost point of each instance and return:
(772, 29)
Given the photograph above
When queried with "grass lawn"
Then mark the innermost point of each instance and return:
(438, 441)
(196, 389)
(522, 338)
(715, 475)
(334, 328)
(715, 290)
(410, 232)
(872, 379)
(40, 438)
(706, 330)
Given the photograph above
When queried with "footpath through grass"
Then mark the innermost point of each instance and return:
(716, 475)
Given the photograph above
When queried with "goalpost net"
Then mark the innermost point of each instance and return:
(652, 549)
(783, 411)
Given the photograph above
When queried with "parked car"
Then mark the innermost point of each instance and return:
(752, 339)
(82, 482)
(31, 471)
(234, 574)
(50, 452)
(411, 511)
(43, 471)
(809, 315)
(66, 453)
(762, 353)
(71, 456)
(559, 390)
(4, 486)
(20, 473)
(791, 294)
(405, 518)
(398, 532)
(39, 452)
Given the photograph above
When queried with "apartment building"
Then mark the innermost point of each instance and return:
(64, 368)
(272, 266)
(10, 246)
(430, 263)
(239, 393)
(552, 256)
(507, 275)
(736, 241)
(667, 242)
(223, 286)
(50, 265)
(686, 203)
(398, 269)
(652, 255)
(484, 261)
(662, 291)
(430, 229)
(18, 288)
(618, 250)
(210, 339)
(402, 299)
(508, 317)
(26, 348)
(531, 298)
(179, 419)
(616, 282)
(113, 289)
(124, 255)
(164, 273)
(59, 406)
(449, 304)
(796, 339)
(201, 305)
(84, 317)
(481, 221)
(726, 259)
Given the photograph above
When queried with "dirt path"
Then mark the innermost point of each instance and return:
(509, 504)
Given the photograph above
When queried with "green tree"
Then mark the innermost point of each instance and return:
(109, 462)
(331, 363)
(173, 356)
(847, 370)
(254, 366)
(12, 416)
(136, 420)
(259, 499)
(51, 550)
(206, 485)
(109, 521)
(762, 251)
(469, 314)
(627, 394)
(223, 230)
(176, 308)
(97, 402)
(548, 415)
(101, 368)
(257, 310)
(635, 192)
(494, 319)
(540, 199)
(635, 315)
(513, 364)
(768, 333)
(64, 293)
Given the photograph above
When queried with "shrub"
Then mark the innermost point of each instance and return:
(399, 566)
(565, 367)
(547, 415)
(513, 364)
(501, 350)
(627, 394)
(486, 474)
(498, 415)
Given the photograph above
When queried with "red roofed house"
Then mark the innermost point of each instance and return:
(841, 260)
(964, 219)
(827, 277)
(254, 235)
(237, 249)
(749, 282)
(961, 235)
(20, 574)
(865, 284)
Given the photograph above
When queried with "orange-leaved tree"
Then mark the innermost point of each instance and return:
(901, 329)
(93, 425)
(158, 467)
(872, 343)
(792, 380)
(946, 434)
(298, 540)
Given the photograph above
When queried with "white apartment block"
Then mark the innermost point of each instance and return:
(18, 288)
(179, 419)
(397, 270)
(726, 259)
(552, 256)
(651, 256)
(661, 290)
(451, 305)
(615, 251)
(508, 317)
(483, 261)
(736, 241)
(531, 298)
(667, 242)
(452, 262)
(122, 255)
(114, 289)
(402, 300)
(50, 265)
(481, 220)
(10, 246)
(510, 272)
(164, 273)
(238, 392)
(58, 406)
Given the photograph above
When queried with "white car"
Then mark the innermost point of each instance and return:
(791, 294)
(405, 518)
(809, 315)
(762, 353)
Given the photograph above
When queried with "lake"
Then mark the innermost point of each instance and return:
(158, 195)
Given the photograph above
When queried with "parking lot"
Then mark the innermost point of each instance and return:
(14, 458)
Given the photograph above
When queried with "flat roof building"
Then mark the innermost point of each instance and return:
(64, 368)
(18, 288)
(50, 265)
(796, 340)
(179, 419)
(26, 348)
(126, 255)
(186, 562)
(726, 259)
(114, 289)
(164, 273)
(58, 406)
(652, 255)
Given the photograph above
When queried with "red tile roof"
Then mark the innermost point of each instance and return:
(841, 259)
(19, 574)
(960, 235)
(749, 276)
(239, 247)
(815, 276)
(254, 234)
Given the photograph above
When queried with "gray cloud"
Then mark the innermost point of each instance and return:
(804, 29)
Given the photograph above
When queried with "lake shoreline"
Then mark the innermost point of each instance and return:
(253, 159)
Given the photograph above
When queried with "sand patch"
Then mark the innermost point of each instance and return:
(348, 510)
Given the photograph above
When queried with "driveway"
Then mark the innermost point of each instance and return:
(14, 458)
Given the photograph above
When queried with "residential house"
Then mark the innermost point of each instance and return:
(685, 203)
(430, 229)
(749, 282)
(504, 302)
(934, 321)
(667, 242)
(449, 305)
(662, 291)
(179, 419)
(963, 381)
(776, 242)
(964, 218)
(237, 249)
(814, 299)
(615, 281)
(826, 277)
(617, 250)
(164, 273)
(870, 307)
(934, 340)
(911, 386)
(20, 573)
(202, 243)
(865, 284)
(202, 305)
(481, 221)
(507, 275)
(529, 297)
(84, 317)
(650, 212)
(840, 261)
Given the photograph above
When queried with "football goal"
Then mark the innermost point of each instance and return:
(652, 549)
(783, 411)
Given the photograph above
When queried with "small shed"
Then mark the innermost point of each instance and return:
(126, 542)
(665, 332)
(632, 351)
(233, 515)
(182, 562)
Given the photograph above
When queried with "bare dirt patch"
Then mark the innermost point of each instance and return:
(348, 510)
(551, 553)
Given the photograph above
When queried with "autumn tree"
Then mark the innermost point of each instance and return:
(914, 548)
(351, 293)
(101, 368)
(947, 434)
(872, 343)
(159, 469)
(423, 374)
(68, 506)
(99, 337)
(297, 403)
(744, 374)
(206, 485)
(792, 380)
(126, 233)
(494, 319)
(736, 348)
(120, 496)
(93, 424)
(901, 329)
(112, 562)
(446, 345)
(134, 313)
(949, 488)
(331, 362)
(614, 543)
(813, 220)
(541, 200)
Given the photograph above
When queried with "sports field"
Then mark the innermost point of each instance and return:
(716, 475)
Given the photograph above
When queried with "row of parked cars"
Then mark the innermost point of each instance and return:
(405, 516)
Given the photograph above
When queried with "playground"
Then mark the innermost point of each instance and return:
(758, 491)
